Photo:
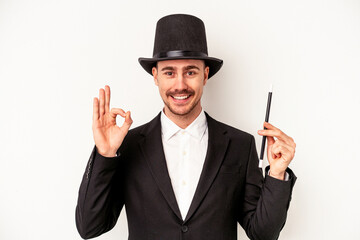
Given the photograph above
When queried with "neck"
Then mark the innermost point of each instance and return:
(183, 120)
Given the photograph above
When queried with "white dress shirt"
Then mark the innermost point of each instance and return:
(185, 151)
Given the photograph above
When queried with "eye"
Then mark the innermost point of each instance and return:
(168, 73)
(190, 73)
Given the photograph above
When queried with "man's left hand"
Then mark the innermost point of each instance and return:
(280, 152)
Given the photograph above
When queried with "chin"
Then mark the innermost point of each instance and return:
(180, 112)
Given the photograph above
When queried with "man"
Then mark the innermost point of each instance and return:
(183, 175)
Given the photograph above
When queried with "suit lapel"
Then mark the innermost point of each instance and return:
(217, 146)
(152, 148)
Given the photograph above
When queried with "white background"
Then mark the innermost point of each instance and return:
(55, 55)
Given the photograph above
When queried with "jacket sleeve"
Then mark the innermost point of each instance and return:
(266, 201)
(100, 197)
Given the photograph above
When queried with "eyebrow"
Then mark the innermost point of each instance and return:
(185, 68)
(191, 67)
(167, 68)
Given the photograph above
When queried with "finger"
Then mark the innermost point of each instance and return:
(279, 135)
(107, 98)
(270, 126)
(272, 154)
(280, 146)
(269, 132)
(102, 102)
(95, 109)
(276, 133)
(270, 140)
(128, 119)
(282, 149)
(282, 152)
(127, 115)
(117, 111)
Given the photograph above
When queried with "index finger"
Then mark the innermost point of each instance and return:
(270, 126)
(273, 131)
(107, 98)
(95, 109)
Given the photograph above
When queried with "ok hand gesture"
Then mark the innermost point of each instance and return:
(107, 135)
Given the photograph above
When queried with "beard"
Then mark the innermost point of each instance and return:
(173, 109)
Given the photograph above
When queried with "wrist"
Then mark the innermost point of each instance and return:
(107, 154)
(277, 175)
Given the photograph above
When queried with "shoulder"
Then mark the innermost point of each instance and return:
(139, 131)
(144, 129)
(230, 131)
(136, 134)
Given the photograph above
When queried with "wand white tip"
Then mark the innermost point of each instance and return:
(271, 88)
(260, 163)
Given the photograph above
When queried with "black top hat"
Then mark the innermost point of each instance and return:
(180, 36)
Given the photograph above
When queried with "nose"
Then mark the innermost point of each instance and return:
(180, 82)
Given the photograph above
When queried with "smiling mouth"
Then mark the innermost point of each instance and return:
(181, 97)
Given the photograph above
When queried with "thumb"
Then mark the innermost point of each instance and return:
(270, 142)
(128, 119)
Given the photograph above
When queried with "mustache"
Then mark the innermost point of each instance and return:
(184, 91)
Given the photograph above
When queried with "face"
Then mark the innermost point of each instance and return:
(181, 85)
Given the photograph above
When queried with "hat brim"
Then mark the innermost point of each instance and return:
(214, 63)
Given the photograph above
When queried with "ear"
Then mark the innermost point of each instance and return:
(155, 75)
(206, 74)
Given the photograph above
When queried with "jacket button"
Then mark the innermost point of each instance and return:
(184, 228)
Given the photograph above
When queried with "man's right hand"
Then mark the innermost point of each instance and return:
(107, 135)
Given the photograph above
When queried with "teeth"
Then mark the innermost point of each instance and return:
(181, 97)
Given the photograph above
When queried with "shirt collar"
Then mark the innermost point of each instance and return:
(196, 129)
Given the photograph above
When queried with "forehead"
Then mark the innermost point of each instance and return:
(180, 63)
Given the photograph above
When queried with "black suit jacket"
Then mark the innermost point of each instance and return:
(231, 189)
